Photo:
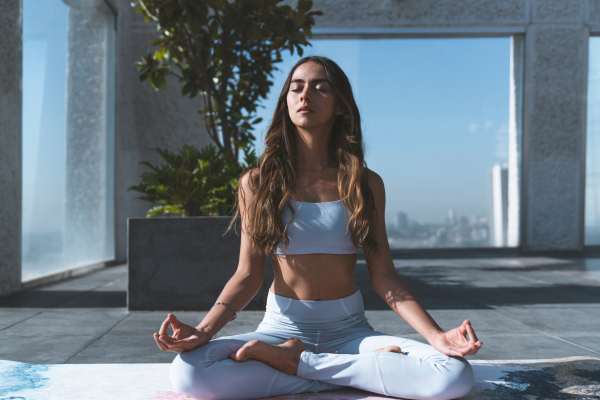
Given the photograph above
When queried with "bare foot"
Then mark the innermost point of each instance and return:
(394, 348)
(283, 357)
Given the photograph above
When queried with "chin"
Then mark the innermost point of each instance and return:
(307, 123)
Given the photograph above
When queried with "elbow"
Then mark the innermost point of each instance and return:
(384, 280)
(391, 288)
(390, 285)
(250, 272)
(253, 281)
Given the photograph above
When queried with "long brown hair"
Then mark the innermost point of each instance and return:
(276, 175)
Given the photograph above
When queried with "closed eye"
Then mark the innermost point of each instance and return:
(321, 86)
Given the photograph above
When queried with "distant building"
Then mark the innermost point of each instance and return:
(499, 204)
(451, 217)
(401, 220)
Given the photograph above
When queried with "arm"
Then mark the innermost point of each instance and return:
(245, 283)
(384, 278)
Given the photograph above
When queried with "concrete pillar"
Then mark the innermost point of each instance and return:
(10, 145)
(90, 143)
(555, 126)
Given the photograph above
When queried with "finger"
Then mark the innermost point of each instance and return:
(182, 341)
(177, 347)
(158, 342)
(463, 332)
(172, 343)
(155, 338)
(464, 349)
(176, 323)
(475, 347)
(169, 345)
(166, 339)
(471, 332)
(468, 352)
(472, 350)
(465, 328)
(164, 327)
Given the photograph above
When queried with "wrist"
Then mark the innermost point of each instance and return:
(204, 330)
(434, 334)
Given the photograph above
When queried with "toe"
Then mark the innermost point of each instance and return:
(391, 348)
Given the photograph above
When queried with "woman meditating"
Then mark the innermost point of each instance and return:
(310, 204)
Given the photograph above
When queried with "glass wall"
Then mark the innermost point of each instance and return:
(592, 176)
(68, 135)
(441, 125)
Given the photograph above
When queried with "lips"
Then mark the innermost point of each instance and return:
(304, 109)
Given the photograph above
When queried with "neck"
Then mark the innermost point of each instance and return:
(312, 148)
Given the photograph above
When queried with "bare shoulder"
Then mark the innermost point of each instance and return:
(375, 182)
(250, 173)
(247, 178)
(247, 186)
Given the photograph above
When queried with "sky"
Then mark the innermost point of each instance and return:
(44, 114)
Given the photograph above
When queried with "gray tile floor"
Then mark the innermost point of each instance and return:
(535, 307)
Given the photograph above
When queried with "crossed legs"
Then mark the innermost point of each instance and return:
(418, 372)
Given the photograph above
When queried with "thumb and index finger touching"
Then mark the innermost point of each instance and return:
(164, 327)
(473, 343)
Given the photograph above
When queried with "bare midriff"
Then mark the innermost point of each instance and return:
(314, 276)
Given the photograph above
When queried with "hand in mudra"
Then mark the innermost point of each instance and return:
(184, 338)
(460, 341)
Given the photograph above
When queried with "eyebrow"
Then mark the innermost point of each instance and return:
(314, 80)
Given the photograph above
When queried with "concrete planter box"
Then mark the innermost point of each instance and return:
(183, 263)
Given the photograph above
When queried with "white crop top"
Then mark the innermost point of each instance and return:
(317, 228)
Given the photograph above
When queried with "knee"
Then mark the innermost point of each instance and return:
(455, 380)
(189, 378)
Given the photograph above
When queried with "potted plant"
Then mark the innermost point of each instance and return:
(223, 51)
(190, 182)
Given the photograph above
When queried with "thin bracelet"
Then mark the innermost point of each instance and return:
(226, 305)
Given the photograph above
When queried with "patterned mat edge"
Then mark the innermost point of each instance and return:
(535, 360)
(475, 361)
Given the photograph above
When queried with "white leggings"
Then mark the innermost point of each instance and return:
(339, 351)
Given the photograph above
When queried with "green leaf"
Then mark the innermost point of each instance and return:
(161, 54)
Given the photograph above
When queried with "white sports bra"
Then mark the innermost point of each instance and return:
(317, 228)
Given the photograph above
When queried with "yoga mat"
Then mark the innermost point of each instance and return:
(560, 378)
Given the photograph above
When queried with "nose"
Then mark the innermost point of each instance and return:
(304, 93)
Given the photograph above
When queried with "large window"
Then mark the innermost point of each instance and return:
(441, 125)
(592, 178)
(68, 135)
